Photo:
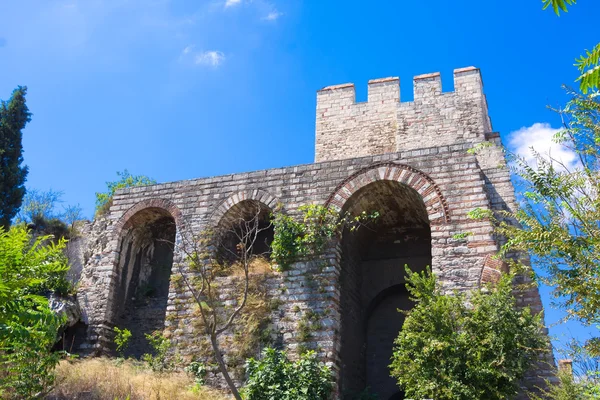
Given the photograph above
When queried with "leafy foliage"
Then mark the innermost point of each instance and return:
(560, 213)
(568, 389)
(122, 337)
(558, 5)
(297, 239)
(589, 63)
(126, 180)
(198, 371)
(458, 347)
(28, 327)
(14, 115)
(39, 211)
(589, 68)
(158, 361)
(275, 377)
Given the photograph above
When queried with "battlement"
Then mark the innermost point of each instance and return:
(383, 124)
(467, 81)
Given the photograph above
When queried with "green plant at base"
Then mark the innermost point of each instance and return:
(122, 337)
(298, 239)
(198, 371)
(454, 347)
(275, 377)
(126, 180)
(161, 345)
(28, 328)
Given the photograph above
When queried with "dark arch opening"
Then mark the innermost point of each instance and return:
(372, 282)
(144, 271)
(245, 215)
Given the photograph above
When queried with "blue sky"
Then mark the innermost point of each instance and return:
(179, 89)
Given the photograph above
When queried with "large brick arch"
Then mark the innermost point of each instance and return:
(163, 204)
(435, 203)
(251, 194)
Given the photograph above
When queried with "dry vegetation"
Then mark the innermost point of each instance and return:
(107, 379)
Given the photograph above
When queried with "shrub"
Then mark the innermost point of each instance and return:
(275, 377)
(569, 389)
(104, 199)
(198, 371)
(28, 327)
(161, 345)
(122, 337)
(465, 347)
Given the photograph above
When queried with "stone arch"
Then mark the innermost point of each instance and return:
(145, 237)
(164, 204)
(237, 221)
(258, 195)
(372, 273)
(435, 203)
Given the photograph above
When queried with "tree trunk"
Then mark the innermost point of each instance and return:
(223, 367)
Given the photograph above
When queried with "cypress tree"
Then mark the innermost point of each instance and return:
(14, 115)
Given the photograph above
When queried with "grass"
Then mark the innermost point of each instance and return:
(109, 379)
(258, 265)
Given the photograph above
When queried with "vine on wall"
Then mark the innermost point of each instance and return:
(297, 239)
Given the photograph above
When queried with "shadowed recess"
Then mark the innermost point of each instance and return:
(144, 270)
(372, 282)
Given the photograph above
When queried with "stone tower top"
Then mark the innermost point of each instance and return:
(384, 124)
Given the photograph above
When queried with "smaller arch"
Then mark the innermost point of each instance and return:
(435, 203)
(128, 217)
(258, 195)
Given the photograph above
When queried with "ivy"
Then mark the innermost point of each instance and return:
(308, 236)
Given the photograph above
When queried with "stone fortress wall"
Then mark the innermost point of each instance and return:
(407, 160)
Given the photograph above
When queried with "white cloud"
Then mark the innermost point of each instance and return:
(273, 15)
(539, 137)
(211, 58)
(187, 50)
(231, 3)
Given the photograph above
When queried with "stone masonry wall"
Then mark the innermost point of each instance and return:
(383, 124)
(357, 145)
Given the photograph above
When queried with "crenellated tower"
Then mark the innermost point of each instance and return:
(384, 124)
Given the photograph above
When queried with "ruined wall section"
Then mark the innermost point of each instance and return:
(383, 124)
(307, 286)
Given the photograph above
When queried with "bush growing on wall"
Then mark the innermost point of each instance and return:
(459, 347)
(104, 199)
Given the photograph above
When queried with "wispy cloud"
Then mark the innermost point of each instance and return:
(231, 3)
(210, 58)
(539, 138)
(273, 15)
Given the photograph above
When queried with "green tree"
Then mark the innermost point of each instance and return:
(40, 212)
(465, 347)
(588, 63)
(276, 377)
(559, 217)
(14, 115)
(104, 199)
(28, 328)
